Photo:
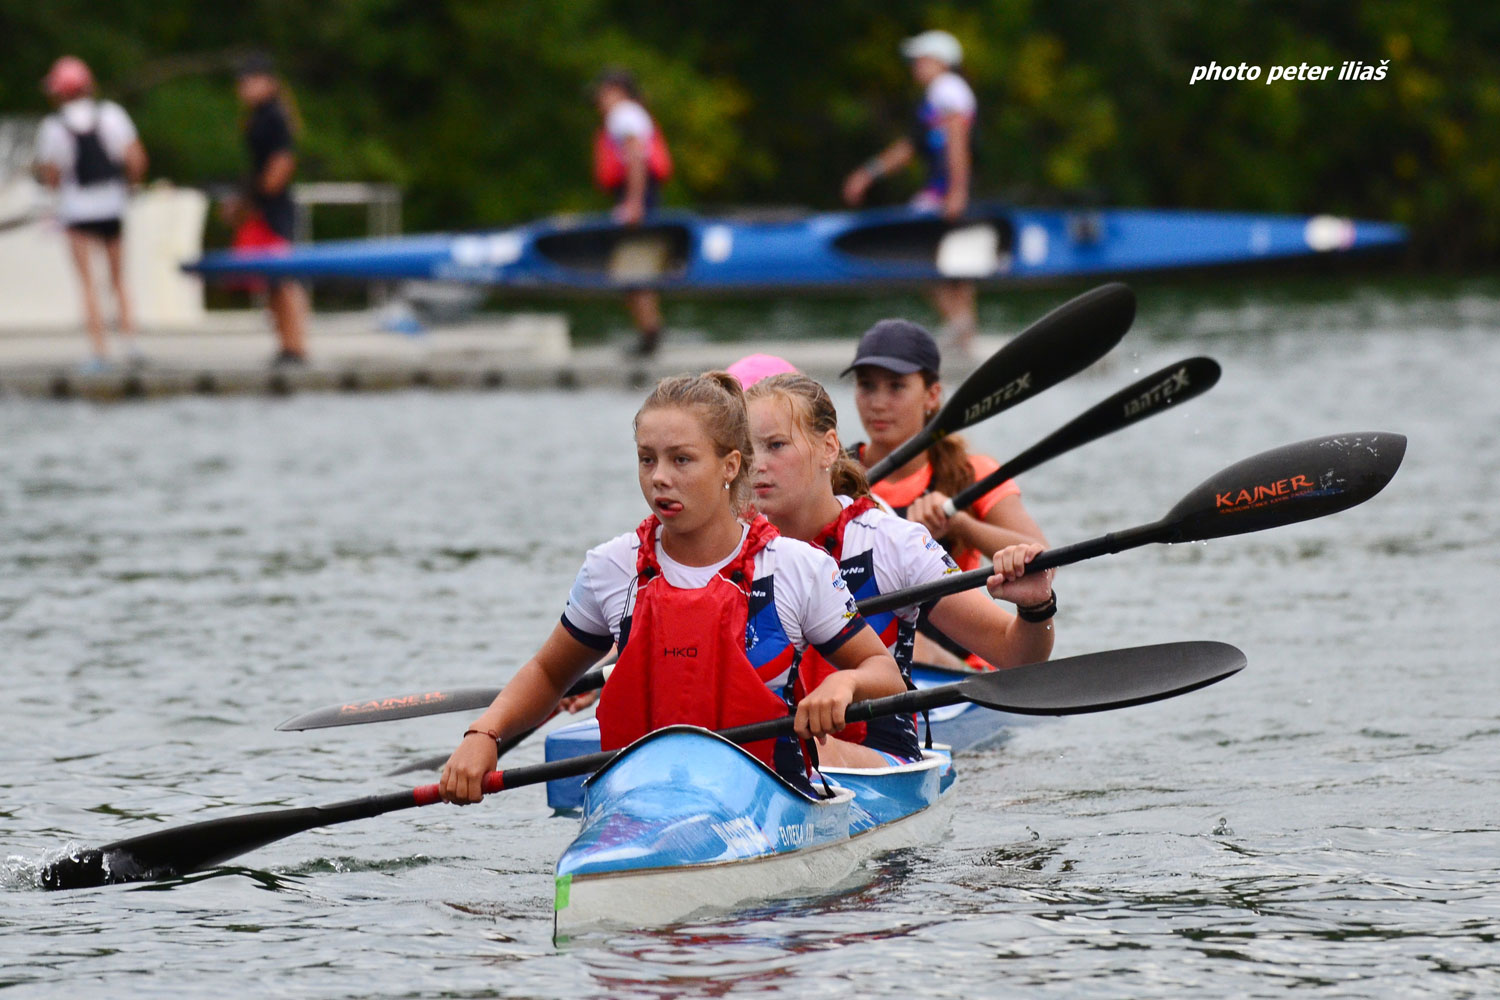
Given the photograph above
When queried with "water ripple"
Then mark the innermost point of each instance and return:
(179, 576)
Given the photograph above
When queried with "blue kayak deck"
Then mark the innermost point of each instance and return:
(680, 251)
(683, 820)
(956, 727)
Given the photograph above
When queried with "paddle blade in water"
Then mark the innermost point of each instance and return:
(1098, 682)
(173, 852)
(1296, 482)
(183, 849)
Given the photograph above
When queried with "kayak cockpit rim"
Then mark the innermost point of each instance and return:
(938, 756)
(665, 731)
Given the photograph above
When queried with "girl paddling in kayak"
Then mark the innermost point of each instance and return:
(710, 610)
(897, 390)
(810, 489)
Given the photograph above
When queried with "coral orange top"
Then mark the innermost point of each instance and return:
(901, 493)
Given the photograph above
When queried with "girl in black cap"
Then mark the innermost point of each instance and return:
(897, 391)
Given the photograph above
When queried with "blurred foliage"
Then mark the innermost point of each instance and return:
(478, 108)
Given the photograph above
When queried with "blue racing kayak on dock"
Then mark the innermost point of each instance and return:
(683, 252)
(955, 727)
(683, 820)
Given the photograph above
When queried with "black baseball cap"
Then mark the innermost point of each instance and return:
(255, 63)
(898, 345)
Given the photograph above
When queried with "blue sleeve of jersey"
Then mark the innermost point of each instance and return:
(589, 639)
(850, 630)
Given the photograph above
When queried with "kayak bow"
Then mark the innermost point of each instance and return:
(683, 820)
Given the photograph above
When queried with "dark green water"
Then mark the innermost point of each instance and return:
(177, 577)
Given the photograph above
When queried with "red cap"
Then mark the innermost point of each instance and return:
(68, 77)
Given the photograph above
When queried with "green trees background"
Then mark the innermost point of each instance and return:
(477, 107)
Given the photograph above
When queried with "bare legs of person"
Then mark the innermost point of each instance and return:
(645, 312)
(958, 303)
(82, 245)
(835, 752)
(288, 304)
(927, 651)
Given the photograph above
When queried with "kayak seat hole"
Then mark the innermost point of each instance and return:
(621, 254)
(915, 242)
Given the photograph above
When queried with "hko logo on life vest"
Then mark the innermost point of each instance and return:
(1162, 392)
(689, 651)
(1265, 493)
(1006, 392)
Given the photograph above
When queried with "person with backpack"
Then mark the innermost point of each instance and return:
(89, 152)
(631, 162)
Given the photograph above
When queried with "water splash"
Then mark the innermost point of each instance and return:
(20, 873)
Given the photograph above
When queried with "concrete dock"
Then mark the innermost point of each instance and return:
(229, 353)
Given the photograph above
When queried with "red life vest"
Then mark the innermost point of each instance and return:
(609, 166)
(814, 669)
(683, 661)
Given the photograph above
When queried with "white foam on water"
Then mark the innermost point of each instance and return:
(19, 872)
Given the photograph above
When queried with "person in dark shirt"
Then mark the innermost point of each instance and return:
(265, 214)
(943, 138)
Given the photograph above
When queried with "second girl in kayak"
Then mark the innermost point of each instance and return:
(809, 488)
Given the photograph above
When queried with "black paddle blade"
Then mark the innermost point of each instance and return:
(412, 706)
(1296, 482)
(183, 849)
(1059, 345)
(175, 852)
(405, 706)
(1098, 682)
(425, 764)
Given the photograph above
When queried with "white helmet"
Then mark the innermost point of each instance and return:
(938, 44)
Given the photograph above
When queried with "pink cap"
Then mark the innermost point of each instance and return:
(754, 367)
(68, 77)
